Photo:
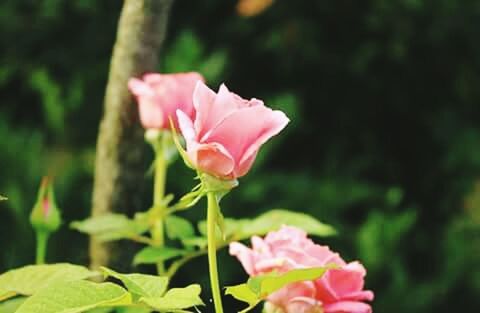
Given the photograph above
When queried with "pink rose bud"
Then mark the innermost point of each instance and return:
(339, 290)
(45, 215)
(227, 132)
(159, 96)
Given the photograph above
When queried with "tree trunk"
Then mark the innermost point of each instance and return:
(119, 158)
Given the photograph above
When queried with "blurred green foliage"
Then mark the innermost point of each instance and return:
(384, 142)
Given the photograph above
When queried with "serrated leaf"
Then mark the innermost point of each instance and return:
(178, 227)
(11, 305)
(152, 255)
(176, 299)
(30, 279)
(75, 297)
(111, 227)
(140, 284)
(260, 287)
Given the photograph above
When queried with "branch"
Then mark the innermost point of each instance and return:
(175, 266)
(119, 159)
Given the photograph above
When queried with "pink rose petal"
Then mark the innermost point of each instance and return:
(159, 96)
(347, 307)
(227, 128)
(339, 290)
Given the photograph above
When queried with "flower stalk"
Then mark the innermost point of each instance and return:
(41, 249)
(158, 209)
(212, 215)
(45, 218)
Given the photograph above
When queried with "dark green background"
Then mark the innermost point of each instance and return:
(384, 143)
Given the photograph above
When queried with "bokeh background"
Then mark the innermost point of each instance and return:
(384, 143)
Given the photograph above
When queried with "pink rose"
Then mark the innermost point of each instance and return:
(159, 96)
(337, 291)
(227, 132)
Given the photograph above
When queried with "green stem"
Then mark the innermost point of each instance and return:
(175, 266)
(160, 176)
(42, 239)
(158, 195)
(212, 250)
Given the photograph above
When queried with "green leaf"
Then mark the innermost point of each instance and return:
(240, 229)
(3, 198)
(134, 309)
(176, 299)
(268, 284)
(152, 255)
(178, 227)
(111, 227)
(11, 305)
(140, 284)
(190, 199)
(75, 297)
(101, 310)
(243, 293)
(122, 309)
(260, 287)
(30, 279)
(274, 219)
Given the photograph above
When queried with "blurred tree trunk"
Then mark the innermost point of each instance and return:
(119, 158)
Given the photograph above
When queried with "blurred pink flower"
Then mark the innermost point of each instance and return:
(339, 290)
(227, 132)
(159, 96)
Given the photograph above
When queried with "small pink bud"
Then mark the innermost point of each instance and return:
(45, 215)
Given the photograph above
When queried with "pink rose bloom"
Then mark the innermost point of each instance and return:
(159, 96)
(337, 291)
(227, 132)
